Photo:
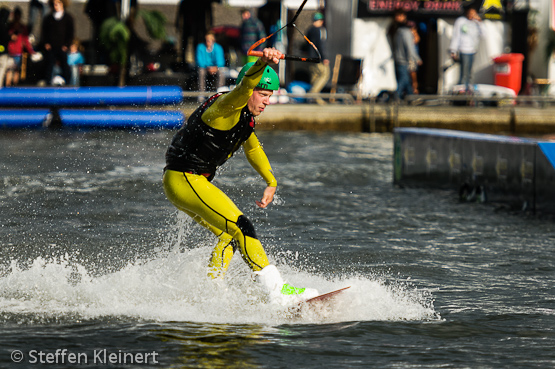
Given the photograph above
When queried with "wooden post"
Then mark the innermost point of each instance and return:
(335, 77)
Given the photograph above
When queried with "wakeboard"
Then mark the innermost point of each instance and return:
(317, 301)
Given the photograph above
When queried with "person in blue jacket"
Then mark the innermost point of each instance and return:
(210, 61)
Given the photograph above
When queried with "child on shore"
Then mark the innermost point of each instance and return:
(75, 60)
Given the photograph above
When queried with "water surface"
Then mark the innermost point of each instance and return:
(94, 259)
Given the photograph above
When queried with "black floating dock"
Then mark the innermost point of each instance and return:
(517, 171)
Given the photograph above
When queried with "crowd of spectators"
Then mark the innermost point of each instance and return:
(46, 49)
(62, 56)
(57, 36)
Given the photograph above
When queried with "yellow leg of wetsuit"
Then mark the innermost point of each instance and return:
(223, 252)
(210, 207)
(221, 256)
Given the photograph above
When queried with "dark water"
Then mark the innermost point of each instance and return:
(95, 261)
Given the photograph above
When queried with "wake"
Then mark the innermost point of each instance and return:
(173, 286)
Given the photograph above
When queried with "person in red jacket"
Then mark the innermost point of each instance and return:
(19, 41)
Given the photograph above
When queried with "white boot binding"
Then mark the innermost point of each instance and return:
(279, 291)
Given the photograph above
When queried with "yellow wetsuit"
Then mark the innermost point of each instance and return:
(212, 134)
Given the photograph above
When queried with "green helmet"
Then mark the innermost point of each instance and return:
(269, 80)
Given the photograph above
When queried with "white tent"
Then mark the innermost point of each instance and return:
(246, 3)
(311, 4)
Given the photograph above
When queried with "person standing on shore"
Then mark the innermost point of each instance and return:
(413, 66)
(319, 72)
(252, 30)
(467, 32)
(404, 52)
(19, 42)
(57, 36)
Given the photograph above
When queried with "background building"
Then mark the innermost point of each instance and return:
(519, 27)
(357, 29)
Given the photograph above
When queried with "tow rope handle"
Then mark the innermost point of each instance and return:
(257, 53)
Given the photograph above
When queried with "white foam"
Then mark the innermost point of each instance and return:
(174, 287)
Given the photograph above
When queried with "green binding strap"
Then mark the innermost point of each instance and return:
(287, 289)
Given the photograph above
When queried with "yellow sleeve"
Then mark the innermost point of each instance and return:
(226, 110)
(258, 160)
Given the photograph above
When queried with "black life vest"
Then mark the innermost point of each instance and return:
(200, 149)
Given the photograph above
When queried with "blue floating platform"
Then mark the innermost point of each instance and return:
(162, 119)
(512, 170)
(83, 118)
(23, 118)
(90, 96)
